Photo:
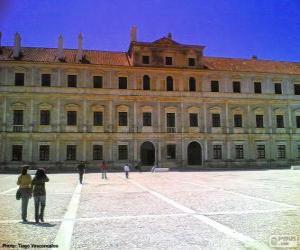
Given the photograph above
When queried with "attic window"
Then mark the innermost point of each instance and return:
(192, 62)
(146, 59)
(169, 60)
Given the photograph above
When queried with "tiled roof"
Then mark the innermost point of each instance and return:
(122, 59)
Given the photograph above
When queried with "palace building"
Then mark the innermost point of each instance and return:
(161, 102)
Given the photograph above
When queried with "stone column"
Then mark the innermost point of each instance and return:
(135, 151)
(84, 148)
(135, 124)
(228, 150)
(4, 114)
(31, 123)
(248, 123)
(57, 149)
(290, 122)
(270, 119)
(110, 116)
(158, 117)
(30, 149)
(84, 125)
(226, 118)
(205, 117)
(58, 122)
(205, 150)
(59, 76)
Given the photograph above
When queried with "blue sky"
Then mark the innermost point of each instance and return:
(269, 29)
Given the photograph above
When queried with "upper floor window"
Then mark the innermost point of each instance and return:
(44, 152)
(277, 88)
(17, 151)
(18, 117)
(193, 120)
(171, 120)
(170, 86)
(297, 89)
(71, 118)
(192, 84)
(257, 87)
(297, 121)
(146, 82)
(98, 118)
(145, 59)
(147, 121)
(171, 151)
(192, 61)
(259, 121)
(238, 121)
(46, 80)
(72, 81)
(279, 121)
(216, 120)
(214, 86)
(19, 79)
(122, 82)
(97, 81)
(236, 86)
(45, 117)
(123, 119)
(168, 60)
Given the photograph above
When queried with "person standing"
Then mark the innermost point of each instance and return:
(104, 169)
(126, 170)
(81, 169)
(24, 181)
(39, 194)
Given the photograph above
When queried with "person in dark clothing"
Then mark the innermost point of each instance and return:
(81, 169)
(39, 194)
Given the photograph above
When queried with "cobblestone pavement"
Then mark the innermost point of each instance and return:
(174, 210)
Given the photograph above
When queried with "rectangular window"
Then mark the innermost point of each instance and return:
(236, 86)
(259, 121)
(72, 81)
(297, 89)
(281, 151)
(214, 86)
(257, 87)
(123, 152)
(297, 121)
(97, 152)
(238, 120)
(147, 119)
(46, 80)
(260, 150)
(97, 80)
(193, 120)
(71, 152)
(280, 121)
(146, 59)
(169, 60)
(98, 118)
(123, 119)
(217, 151)
(19, 79)
(277, 88)
(239, 151)
(216, 121)
(171, 120)
(45, 117)
(44, 152)
(17, 151)
(192, 61)
(18, 117)
(171, 151)
(71, 118)
(122, 82)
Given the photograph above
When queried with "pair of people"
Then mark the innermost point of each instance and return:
(35, 186)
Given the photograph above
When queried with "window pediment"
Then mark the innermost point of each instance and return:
(170, 109)
(122, 108)
(18, 105)
(97, 107)
(193, 109)
(216, 109)
(72, 106)
(45, 106)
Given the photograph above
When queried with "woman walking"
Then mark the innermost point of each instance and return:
(104, 169)
(39, 194)
(24, 181)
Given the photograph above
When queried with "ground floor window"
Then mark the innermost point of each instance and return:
(17, 152)
(44, 152)
(281, 152)
(123, 152)
(97, 152)
(298, 151)
(239, 151)
(260, 151)
(71, 152)
(217, 151)
(171, 151)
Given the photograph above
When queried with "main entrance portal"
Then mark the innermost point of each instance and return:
(147, 154)
(194, 153)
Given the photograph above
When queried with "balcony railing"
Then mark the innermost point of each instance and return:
(18, 128)
(171, 129)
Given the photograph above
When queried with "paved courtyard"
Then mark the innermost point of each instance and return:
(175, 210)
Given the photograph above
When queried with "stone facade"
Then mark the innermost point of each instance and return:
(150, 135)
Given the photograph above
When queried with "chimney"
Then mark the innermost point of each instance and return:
(17, 46)
(170, 35)
(79, 53)
(133, 33)
(254, 57)
(60, 50)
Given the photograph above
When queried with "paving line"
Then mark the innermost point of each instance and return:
(9, 190)
(64, 236)
(246, 240)
(246, 196)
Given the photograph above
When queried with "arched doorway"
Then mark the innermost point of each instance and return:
(147, 154)
(194, 152)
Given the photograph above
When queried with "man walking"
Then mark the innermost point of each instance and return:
(126, 170)
(104, 169)
(81, 169)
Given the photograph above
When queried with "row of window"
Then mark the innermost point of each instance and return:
(71, 152)
(169, 60)
(122, 83)
(45, 119)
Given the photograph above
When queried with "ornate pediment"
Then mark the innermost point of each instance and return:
(165, 41)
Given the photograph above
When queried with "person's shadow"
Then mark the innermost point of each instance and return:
(43, 224)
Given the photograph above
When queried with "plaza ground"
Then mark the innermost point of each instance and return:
(173, 210)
